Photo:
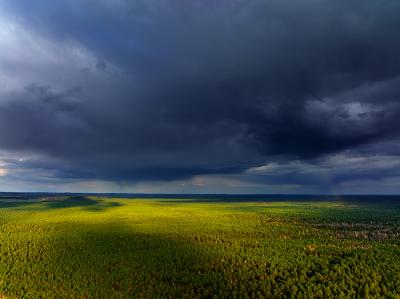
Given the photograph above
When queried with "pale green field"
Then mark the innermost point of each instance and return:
(123, 248)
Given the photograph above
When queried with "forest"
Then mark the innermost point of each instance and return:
(110, 247)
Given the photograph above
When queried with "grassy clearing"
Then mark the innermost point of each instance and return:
(92, 247)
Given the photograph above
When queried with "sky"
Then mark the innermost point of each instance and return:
(201, 96)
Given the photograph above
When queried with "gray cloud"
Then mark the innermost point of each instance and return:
(173, 90)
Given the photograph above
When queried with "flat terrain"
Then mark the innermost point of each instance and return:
(93, 247)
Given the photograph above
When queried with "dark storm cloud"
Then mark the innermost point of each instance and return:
(327, 174)
(205, 87)
(101, 65)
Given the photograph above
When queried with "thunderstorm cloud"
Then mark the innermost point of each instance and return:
(200, 96)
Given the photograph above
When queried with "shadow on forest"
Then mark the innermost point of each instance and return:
(110, 260)
(60, 203)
